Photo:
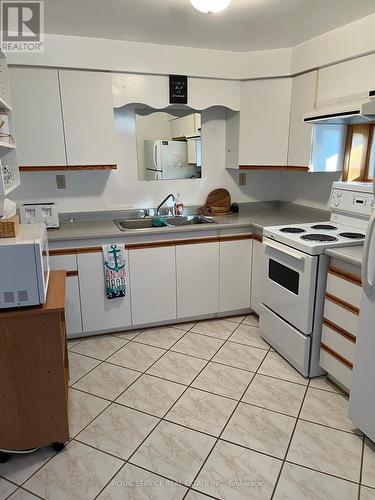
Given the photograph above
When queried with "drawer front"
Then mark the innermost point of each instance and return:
(288, 341)
(63, 262)
(339, 371)
(337, 342)
(343, 289)
(342, 317)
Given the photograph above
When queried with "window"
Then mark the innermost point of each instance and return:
(359, 153)
(328, 147)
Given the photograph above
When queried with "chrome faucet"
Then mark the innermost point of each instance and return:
(162, 203)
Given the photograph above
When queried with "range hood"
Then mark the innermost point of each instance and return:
(362, 111)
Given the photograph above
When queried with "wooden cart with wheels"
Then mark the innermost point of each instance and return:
(34, 374)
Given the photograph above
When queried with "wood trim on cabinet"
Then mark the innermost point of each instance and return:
(54, 168)
(62, 251)
(340, 330)
(152, 244)
(156, 244)
(336, 355)
(342, 303)
(275, 167)
(345, 275)
(70, 274)
(258, 237)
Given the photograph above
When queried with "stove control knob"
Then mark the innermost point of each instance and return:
(337, 203)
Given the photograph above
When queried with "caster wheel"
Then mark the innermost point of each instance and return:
(58, 446)
(4, 457)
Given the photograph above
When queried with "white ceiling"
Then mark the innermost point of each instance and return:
(245, 25)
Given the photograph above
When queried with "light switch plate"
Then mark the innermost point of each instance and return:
(60, 182)
(242, 179)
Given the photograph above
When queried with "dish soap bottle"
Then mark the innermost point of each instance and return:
(178, 206)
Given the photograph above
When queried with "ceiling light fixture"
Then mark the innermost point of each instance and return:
(210, 6)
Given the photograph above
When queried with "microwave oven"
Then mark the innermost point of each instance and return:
(24, 267)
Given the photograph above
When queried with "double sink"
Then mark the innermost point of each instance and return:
(160, 222)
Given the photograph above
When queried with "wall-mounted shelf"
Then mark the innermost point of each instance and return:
(7, 145)
(4, 106)
(276, 168)
(56, 168)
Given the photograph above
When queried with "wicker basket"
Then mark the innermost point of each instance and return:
(9, 227)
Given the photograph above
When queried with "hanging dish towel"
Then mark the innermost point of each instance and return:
(114, 270)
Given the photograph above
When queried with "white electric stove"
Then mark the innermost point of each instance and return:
(295, 274)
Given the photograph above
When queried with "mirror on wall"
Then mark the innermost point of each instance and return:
(169, 144)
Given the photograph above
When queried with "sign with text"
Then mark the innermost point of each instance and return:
(22, 26)
(178, 91)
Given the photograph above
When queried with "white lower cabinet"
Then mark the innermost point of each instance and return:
(153, 284)
(73, 316)
(99, 313)
(197, 279)
(235, 274)
(257, 276)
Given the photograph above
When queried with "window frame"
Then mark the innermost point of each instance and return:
(369, 131)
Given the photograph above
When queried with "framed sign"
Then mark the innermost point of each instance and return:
(178, 92)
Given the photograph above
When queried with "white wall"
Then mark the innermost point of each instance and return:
(308, 189)
(121, 188)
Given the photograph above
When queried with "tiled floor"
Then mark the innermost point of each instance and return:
(196, 411)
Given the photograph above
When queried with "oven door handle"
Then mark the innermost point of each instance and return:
(284, 249)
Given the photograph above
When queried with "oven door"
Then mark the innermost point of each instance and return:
(289, 284)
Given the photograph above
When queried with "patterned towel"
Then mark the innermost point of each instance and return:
(114, 270)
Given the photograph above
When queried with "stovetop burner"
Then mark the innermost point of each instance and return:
(318, 237)
(293, 230)
(324, 227)
(352, 236)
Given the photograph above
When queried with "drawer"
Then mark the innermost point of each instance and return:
(344, 289)
(288, 341)
(340, 316)
(338, 342)
(336, 368)
(63, 262)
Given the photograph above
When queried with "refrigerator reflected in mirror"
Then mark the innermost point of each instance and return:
(169, 144)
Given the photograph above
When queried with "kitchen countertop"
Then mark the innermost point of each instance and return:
(263, 214)
(352, 255)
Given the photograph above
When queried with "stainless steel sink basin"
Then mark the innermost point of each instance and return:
(148, 222)
(137, 224)
(189, 220)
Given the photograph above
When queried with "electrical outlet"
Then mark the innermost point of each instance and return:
(242, 179)
(60, 182)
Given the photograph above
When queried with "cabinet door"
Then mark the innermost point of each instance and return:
(37, 117)
(175, 128)
(257, 276)
(235, 274)
(197, 279)
(98, 312)
(300, 134)
(73, 316)
(264, 122)
(73, 307)
(87, 105)
(153, 284)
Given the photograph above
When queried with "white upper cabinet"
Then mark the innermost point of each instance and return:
(300, 135)
(87, 104)
(349, 80)
(153, 90)
(264, 122)
(37, 117)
